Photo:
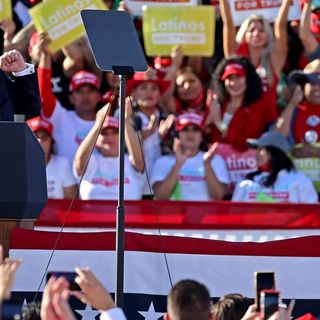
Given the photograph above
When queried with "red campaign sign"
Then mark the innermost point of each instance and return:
(242, 5)
(239, 164)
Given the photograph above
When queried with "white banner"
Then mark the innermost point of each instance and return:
(242, 9)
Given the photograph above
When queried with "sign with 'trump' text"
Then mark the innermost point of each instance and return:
(135, 6)
(242, 9)
(61, 19)
(190, 27)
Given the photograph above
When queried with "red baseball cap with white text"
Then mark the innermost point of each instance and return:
(83, 77)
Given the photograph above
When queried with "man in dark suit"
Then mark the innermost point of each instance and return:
(19, 94)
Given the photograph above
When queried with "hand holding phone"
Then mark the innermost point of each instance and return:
(269, 303)
(263, 280)
(70, 277)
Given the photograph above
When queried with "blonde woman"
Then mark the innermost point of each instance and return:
(255, 39)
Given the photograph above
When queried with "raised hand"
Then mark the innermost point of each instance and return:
(93, 292)
(54, 304)
(166, 124)
(214, 115)
(176, 55)
(101, 114)
(43, 42)
(12, 61)
(8, 268)
(297, 96)
(9, 28)
(251, 313)
(207, 157)
(181, 156)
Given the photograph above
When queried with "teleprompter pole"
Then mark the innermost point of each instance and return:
(123, 72)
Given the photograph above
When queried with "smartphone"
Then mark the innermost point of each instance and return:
(263, 280)
(11, 310)
(269, 303)
(69, 275)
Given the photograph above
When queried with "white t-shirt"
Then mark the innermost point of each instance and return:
(192, 184)
(151, 148)
(290, 186)
(69, 130)
(59, 176)
(100, 180)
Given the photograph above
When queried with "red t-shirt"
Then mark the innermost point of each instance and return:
(247, 122)
(307, 124)
(243, 50)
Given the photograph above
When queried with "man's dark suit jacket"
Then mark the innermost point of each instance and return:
(19, 95)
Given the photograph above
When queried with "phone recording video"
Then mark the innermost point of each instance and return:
(69, 275)
(11, 310)
(263, 280)
(269, 303)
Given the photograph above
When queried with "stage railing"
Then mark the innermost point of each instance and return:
(181, 215)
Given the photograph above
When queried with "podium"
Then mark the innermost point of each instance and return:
(23, 186)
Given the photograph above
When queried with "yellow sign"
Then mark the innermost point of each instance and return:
(61, 19)
(5, 9)
(192, 28)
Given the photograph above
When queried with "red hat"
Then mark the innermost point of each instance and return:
(315, 22)
(149, 76)
(189, 119)
(39, 123)
(111, 122)
(307, 316)
(83, 77)
(233, 69)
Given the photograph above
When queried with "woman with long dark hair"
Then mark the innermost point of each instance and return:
(239, 108)
(276, 179)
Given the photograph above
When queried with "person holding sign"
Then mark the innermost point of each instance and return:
(266, 48)
(239, 108)
(70, 126)
(309, 33)
(19, 95)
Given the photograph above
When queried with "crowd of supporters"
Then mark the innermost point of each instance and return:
(188, 120)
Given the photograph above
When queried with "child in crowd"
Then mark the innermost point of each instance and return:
(190, 174)
(60, 180)
(145, 90)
